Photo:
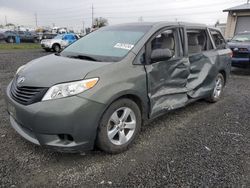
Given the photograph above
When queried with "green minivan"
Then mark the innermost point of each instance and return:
(102, 88)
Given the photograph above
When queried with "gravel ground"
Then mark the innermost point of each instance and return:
(201, 145)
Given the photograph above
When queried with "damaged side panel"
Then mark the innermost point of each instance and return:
(190, 74)
(203, 70)
(166, 85)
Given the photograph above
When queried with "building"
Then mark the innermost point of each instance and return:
(238, 19)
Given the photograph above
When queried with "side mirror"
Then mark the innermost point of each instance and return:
(161, 55)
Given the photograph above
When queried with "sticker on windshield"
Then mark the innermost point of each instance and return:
(124, 46)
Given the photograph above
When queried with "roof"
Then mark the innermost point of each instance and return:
(160, 23)
(244, 7)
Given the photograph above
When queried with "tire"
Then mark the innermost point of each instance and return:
(35, 40)
(56, 48)
(218, 89)
(10, 40)
(122, 131)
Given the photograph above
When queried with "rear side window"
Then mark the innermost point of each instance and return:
(218, 39)
(198, 41)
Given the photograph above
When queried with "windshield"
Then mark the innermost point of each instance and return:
(241, 37)
(58, 37)
(109, 44)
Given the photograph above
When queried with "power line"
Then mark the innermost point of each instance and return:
(77, 15)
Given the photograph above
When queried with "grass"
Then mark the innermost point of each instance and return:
(21, 46)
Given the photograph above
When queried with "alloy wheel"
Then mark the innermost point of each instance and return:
(218, 87)
(121, 126)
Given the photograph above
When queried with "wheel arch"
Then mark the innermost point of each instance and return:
(224, 74)
(135, 97)
(56, 44)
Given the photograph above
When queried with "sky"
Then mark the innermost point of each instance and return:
(76, 14)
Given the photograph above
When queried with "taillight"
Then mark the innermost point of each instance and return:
(231, 53)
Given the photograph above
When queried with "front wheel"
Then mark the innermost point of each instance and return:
(56, 47)
(119, 126)
(218, 89)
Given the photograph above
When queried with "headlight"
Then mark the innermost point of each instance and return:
(19, 69)
(69, 89)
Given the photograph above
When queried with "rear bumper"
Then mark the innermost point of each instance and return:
(46, 123)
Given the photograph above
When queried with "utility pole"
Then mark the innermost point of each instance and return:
(92, 15)
(83, 27)
(36, 18)
(140, 19)
(6, 20)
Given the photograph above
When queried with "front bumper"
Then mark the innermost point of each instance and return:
(46, 46)
(51, 123)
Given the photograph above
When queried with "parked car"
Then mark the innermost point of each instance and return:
(99, 90)
(240, 45)
(42, 36)
(10, 36)
(24, 36)
(2, 36)
(59, 42)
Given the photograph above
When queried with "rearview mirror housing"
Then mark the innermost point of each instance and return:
(161, 55)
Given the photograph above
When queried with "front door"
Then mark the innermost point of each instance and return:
(167, 79)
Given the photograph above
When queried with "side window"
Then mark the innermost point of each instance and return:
(165, 40)
(65, 37)
(71, 37)
(198, 41)
(218, 39)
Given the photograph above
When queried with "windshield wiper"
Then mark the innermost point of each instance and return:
(83, 57)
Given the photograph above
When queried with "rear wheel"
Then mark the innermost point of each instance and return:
(10, 40)
(218, 89)
(35, 40)
(119, 126)
(56, 47)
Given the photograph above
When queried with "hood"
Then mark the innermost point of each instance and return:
(50, 70)
(239, 44)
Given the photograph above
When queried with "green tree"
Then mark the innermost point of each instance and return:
(10, 24)
(100, 22)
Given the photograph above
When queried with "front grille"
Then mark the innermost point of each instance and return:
(27, 95)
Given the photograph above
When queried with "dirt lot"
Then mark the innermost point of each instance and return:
(202, 145)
